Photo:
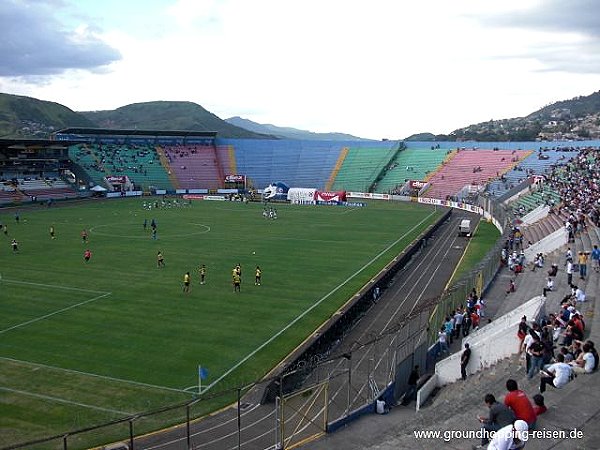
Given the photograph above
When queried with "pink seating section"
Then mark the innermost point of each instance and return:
(194, 166)
(9, 196)
(474, 167)
(52, 193)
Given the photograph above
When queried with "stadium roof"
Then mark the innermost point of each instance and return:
(31, 143)
(135, 132)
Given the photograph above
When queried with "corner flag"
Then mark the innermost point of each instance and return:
(202, 373)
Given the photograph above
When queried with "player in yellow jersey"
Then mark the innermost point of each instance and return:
(258, 274)
(237, 281)
(186, 283)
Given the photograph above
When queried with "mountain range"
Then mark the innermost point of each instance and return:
(26, 117)
(288, 132)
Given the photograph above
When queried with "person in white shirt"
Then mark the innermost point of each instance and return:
(510, 437)
(586, 361)
(569, 272)
(557, 374)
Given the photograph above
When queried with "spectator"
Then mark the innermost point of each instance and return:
(513, 436)
(499, 416)
(557, 374)
(536, 351)
(464, 361)
(585, 362)
(442, 344)
(520, 404)
(413, 380)
(596, 258)
(582, 260)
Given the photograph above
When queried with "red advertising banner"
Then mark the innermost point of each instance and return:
(235, 178)
(415, 184)
(339, 196)
(116, 179)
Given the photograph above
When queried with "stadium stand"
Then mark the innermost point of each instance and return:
(141, 163)
(364, 165)
(411, 164)
(472, 167)
(537, 163)
(195, 166)
(45, 189)
(226, 157)
(296, 163)
(8, 193)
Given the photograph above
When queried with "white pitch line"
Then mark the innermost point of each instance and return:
(62, 400)
(45, 316)
(55, 286)
(94, 375)
(321, 300)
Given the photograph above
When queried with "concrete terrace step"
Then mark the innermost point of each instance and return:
(456, 406)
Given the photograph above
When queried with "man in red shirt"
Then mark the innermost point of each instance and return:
(518, 401)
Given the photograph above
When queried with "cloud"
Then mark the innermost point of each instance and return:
(569, 34)
(579, 16)
(33, 43)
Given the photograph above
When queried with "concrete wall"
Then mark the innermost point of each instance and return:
(537, 214)
(547, 245)
(426, 390)
(490, 344)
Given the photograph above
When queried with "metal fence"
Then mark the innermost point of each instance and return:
(330, 388)
(479, 277)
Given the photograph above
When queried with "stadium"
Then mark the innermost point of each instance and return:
(117, 349)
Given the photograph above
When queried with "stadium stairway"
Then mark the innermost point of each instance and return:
(338, 165)
(167, 166)
(456, 406)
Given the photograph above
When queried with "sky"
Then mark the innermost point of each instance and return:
(374, 69)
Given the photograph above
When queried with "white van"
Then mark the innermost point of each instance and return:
(464, 229)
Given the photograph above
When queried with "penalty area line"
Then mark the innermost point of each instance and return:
(62, 400)
(45, 316)
(314, 305)
(93, 375)
(54, 286)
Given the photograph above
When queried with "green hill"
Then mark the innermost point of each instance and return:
(576, 107)
(575, 119)
(26, 117)
(167, 115)
(290, 133)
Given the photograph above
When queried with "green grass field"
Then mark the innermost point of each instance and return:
(483, 240)
(83, 343)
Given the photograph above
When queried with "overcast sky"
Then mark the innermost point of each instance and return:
(375, 69)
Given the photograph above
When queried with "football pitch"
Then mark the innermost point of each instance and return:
(83, 343)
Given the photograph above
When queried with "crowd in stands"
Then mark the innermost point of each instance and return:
(461, 321)
(182, 151)
(113, 159)
(555, 349)
(578, 184)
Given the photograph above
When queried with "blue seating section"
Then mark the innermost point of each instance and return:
(294, 162)
(532, 165)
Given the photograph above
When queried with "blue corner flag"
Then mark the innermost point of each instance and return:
(202, 373)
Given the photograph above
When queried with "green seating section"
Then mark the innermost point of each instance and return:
(535, 198)
(362, 167)
(140, 163)
(411, 164)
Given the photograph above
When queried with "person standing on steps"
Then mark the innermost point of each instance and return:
(464, 361)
